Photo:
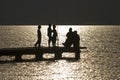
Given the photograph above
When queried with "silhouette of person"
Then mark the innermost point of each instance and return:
(54, 36)
(49, 34)
(76, 43)
(69, 40)
(38, 43)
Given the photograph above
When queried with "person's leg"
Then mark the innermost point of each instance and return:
(36, 43)
(53, 42)
(39, 43)
(49, 41)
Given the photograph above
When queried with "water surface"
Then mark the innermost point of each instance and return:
(100, 61)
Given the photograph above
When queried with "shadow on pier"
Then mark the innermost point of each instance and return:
(38, 52)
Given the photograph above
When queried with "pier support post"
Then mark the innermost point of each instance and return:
(39, 55)
(58, 55)
(18, 57)
(77, 54)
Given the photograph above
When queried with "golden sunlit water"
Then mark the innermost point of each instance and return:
(100, 61)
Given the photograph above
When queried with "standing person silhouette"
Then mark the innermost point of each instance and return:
(38, 43)
(49, 34)
(54, 36)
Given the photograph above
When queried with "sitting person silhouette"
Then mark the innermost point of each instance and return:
(76, 42)
(69, 40)
(38, 43)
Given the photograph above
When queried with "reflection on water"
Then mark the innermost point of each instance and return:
(99, 62)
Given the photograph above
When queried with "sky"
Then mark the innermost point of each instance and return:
(60, 12)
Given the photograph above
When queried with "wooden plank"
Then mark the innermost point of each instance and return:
(33, 50)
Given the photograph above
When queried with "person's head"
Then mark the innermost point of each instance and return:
(39, 26)
(54, 26)
(75, 32)
(70, 29)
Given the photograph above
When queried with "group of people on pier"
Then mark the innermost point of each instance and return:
(52, 35)
(72, 37)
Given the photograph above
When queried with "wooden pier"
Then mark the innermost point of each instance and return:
(38, 51)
